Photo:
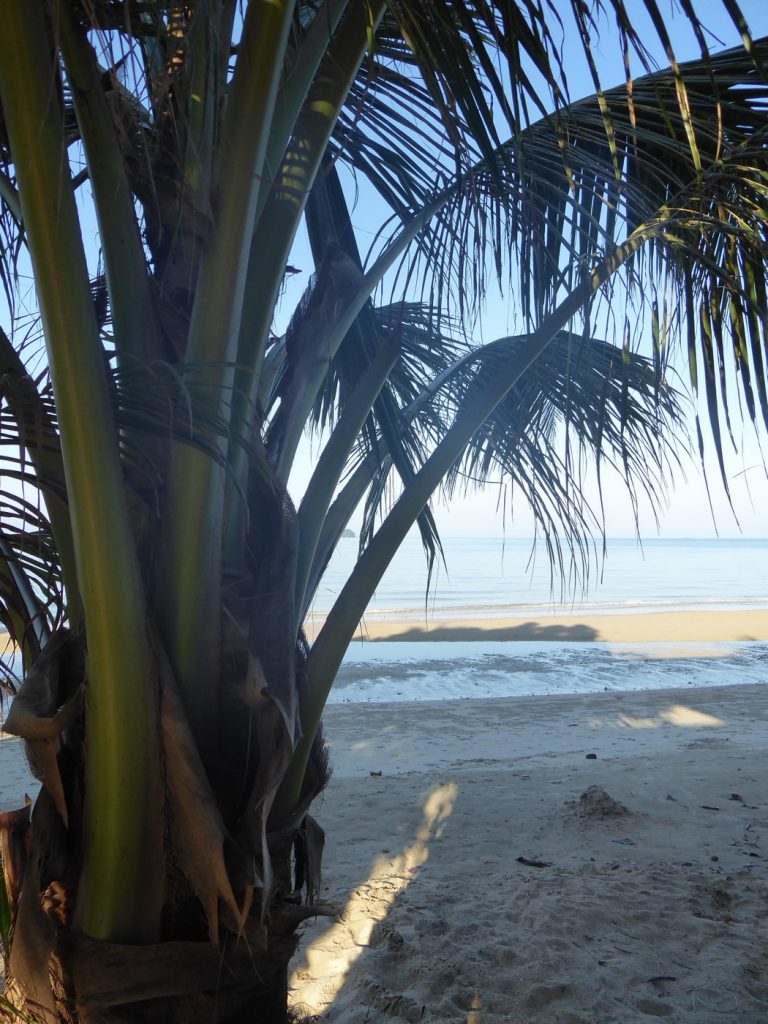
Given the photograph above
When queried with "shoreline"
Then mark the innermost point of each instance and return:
(631, 627)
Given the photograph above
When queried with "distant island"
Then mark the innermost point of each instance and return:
(348, 533)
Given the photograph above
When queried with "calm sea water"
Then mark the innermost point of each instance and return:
(482, 574)
(487, 577)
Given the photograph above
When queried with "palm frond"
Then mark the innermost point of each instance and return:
(585, 401)
(603, 158)
(572, 192)
(31, 585)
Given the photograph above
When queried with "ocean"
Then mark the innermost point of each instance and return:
(492, 577)
(488, 575)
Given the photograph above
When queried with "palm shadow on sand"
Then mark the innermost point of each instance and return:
(329, 973)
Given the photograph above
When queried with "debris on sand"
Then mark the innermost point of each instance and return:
(595, 802)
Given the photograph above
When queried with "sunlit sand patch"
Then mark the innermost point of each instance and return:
(331, 956)
(677, 714)
(654, 650)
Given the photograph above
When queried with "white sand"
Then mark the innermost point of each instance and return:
(659, 913)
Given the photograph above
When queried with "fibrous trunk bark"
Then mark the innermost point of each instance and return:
(224, 951)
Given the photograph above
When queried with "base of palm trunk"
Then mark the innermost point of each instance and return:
(268, 1004)
(168, 983)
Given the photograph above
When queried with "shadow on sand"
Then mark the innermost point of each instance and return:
(527, 631)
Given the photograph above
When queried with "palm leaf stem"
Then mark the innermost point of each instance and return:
(119, 895)
(238, 180)
(336, 520)
(191, 570)
(201, 100)
(133, 315)
(10, 196)
(330, 466)
(290, 191)
(277, 226)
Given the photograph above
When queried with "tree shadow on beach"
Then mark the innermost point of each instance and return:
(528, 631)
(426, 933)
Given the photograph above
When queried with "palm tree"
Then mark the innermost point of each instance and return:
(154, 571)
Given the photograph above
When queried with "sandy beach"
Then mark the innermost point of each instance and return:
(696, 625)
(593, 859)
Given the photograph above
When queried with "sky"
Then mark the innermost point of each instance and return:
(696, 503)
(694, 506)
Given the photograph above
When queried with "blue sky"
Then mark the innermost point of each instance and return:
(685, 511)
